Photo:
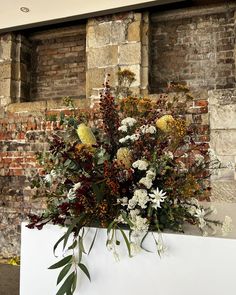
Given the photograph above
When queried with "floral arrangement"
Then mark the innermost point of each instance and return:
(138, 169)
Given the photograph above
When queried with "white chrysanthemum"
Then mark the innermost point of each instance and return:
(132, 203)
(148, 129)
(134, 137)
(157, 197)
(151, 174)
(141, 197)
(128, 121)
(120, 219)
(227, 226)
(140, 224)
(128, 137)
(147, 182)
(122, 140)
(123, 201)
(140, 164)
(134, 213)
(123, 128)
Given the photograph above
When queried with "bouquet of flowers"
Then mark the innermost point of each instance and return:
(135, 168)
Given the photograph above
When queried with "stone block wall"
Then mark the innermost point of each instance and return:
(113, 42)
(8, 68)
(222, 107)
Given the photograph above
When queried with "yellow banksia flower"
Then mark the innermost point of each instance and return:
(164, 123)
(124, 157)
(85, 134)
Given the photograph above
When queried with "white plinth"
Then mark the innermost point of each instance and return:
(193, 265)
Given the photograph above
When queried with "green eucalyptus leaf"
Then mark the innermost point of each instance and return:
(67, 285)
(127, 219)
(81, 244)
(126, 241)
(73, 245)
(74, 284)
(63, 273)
(93, 241)
(61, 263)
(85, 270)
(141, 244)
(110, 226)
(75, 222)
(80, 254)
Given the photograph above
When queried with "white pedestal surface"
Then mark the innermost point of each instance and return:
(192, 265)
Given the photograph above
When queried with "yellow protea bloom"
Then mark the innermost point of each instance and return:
(85, 134)
(164, 123)
(124, 157)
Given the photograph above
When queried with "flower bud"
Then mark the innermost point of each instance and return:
(85, 134)
(164, 122)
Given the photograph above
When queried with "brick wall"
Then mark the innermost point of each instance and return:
(23, 132)
(194, 49)
(58, 63)
(196, 46)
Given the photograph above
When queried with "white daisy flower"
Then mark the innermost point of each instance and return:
(157, 197)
